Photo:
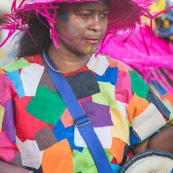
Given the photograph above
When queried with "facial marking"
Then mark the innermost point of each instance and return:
(64, 16)
(72, 30)
(90, 49)
(87, 49)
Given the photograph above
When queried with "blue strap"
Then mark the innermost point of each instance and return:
(81, 120)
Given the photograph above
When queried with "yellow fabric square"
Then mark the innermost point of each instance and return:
(1, 116)
(120, 129)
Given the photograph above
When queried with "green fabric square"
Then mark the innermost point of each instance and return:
(46, 105)
(106, 95)
(128, 122)
(18, 64)
(170, 120)
(83, 161)
(138, 85)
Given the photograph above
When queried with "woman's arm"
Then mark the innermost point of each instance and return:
(6, 103)
(160, 141)
(9, 168)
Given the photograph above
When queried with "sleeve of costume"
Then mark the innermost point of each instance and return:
(146, 113)
(8, 149)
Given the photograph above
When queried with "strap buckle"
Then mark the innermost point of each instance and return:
(81, 121)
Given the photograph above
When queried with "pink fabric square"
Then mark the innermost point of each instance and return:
(7, 152)
(6, 88)
(123, 91)
(67, 119)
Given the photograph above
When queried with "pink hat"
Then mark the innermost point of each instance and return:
(124, 15)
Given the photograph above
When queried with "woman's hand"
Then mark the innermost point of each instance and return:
(9, 168)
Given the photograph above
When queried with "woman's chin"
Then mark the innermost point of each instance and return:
(90, 49)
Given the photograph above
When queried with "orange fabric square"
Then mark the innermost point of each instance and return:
(119, 64)
(136, 106)
(58, 158)
(117, 149)
(1, 71)
(167, 97)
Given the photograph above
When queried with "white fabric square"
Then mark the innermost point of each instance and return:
(148, 122)
(31, 76)
(122, 107)
(98, 64)
(30, 154)
(103, 133)
(168, 105)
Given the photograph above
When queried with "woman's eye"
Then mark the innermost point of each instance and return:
(103, 15)
(85, 15)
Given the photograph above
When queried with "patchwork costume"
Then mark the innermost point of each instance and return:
(37, 130)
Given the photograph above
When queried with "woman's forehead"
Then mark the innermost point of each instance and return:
(85, 5)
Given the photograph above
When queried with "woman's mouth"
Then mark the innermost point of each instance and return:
(93, 41)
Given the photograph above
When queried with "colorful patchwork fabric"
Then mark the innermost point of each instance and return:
(163, 94)
(37, 130)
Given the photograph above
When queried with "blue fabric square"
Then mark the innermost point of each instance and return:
(115, 168)
(159, 88)
(109, 76)
(14, 76)
(65, 133)
(134, 139)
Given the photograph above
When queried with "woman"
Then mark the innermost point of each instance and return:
(38, 131)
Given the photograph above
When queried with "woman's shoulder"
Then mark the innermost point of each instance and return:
(20, 63)
(113, 62)
(22, 75)
(34, 59)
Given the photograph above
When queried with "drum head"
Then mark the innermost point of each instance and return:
(150, 161)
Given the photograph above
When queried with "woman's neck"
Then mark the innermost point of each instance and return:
(66, 60)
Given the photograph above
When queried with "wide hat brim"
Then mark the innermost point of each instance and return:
(151, 161)
(124, 15)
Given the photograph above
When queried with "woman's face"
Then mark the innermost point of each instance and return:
(83, 25)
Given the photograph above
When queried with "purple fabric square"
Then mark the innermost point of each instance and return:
(99, 114)
(8, 121)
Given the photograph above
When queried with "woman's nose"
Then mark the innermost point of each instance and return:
(96, 23)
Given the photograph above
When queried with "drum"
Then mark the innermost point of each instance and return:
(150, 161)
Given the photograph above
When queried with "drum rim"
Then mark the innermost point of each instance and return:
(143, 155)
